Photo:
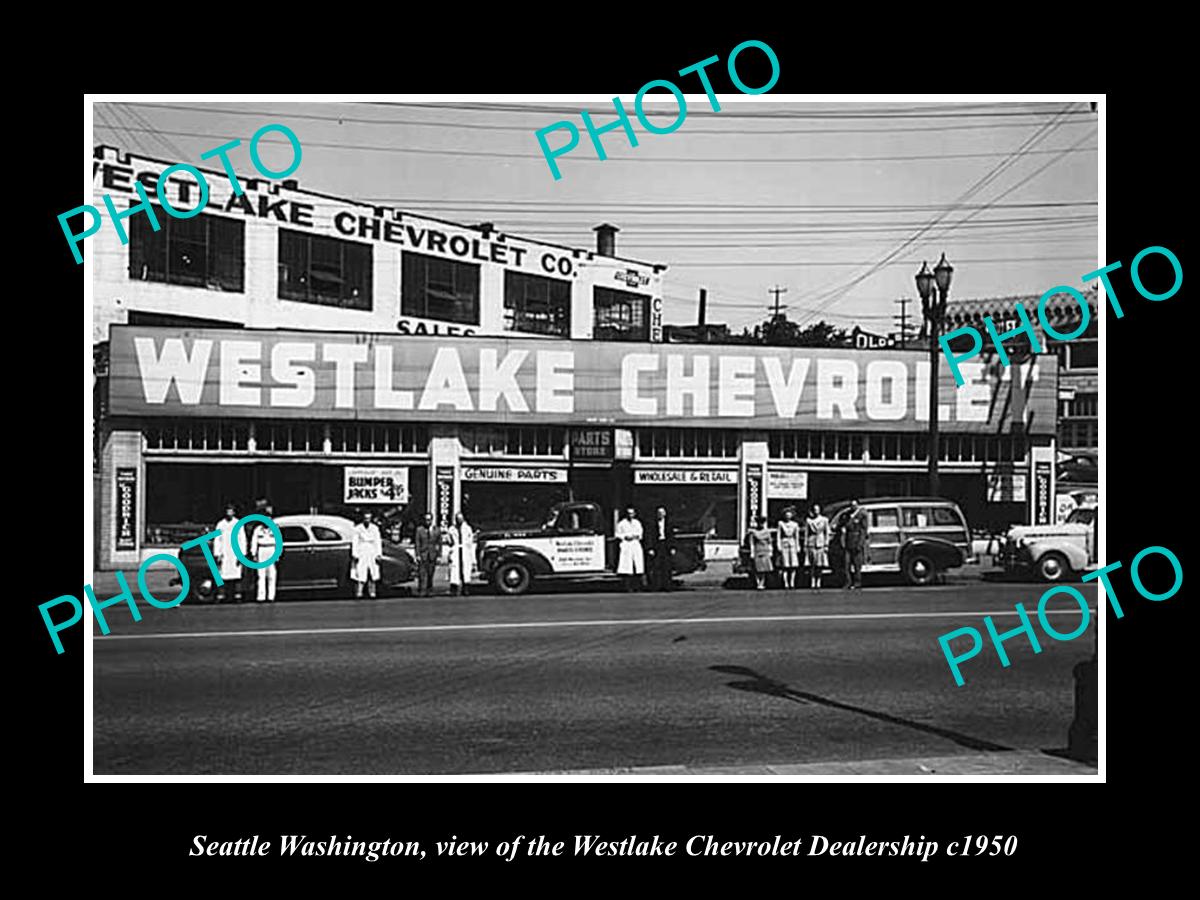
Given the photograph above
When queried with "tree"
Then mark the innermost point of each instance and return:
(780, 331)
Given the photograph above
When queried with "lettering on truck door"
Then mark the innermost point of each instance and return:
(579, 544)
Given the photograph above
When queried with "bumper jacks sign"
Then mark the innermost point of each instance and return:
(375, 484)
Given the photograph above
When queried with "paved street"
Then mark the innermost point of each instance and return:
(701, 678)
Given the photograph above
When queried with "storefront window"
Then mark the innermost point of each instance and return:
(324, 270)
(1083, 354)
(711, 510)
(201, 251)
(518, 441)
(620, 315)
(495, 505)
(709, 443)
(537, 305)
(1082, 405)
(441, 289)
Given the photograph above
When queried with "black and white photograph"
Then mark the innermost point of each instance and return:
(684, 436)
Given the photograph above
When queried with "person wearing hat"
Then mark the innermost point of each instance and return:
(854, 544)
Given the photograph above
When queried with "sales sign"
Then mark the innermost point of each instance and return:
(783, 485)
(1005, 487)
(1041, 492)
(444, 485)
(532, 474)
(126, 510)
(591, 444)
(375, 484)
(685, 476)
(754, 488)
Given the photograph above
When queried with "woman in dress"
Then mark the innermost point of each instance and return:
(816, 545)
(761, 550)
(789, 547)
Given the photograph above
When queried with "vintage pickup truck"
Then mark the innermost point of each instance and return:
(1053, 552)
(574, 543)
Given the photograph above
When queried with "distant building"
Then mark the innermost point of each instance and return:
(696, 334)
(1078, 366)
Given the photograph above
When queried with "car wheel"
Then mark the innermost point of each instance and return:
(512, 578)
(202, 592)
(919, 569)
(1053, 566)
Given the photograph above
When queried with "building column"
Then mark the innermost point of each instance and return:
(752, 479)
(445, 474)
(122, 493)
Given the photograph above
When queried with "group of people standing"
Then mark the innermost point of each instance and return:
(794, 543)
(644, 552)
(255, 542)
(432, 544)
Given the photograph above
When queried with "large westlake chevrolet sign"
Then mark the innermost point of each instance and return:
(297, 374)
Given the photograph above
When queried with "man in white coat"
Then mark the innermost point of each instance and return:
(228, 564)
(631, 561)
(365, 552)
(462, 554)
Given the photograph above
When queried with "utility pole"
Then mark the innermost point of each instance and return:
(703, 306)
(903, 317)
(777, 290)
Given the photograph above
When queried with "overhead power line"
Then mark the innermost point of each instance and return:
(643, 159)
(933, 111)
(341, 119)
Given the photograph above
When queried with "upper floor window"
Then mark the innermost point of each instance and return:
(202, 251)
(537, 305)
(324, 270)
(441, 289)
(621, 315)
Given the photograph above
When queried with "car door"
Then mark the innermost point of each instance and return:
(294, 569)
(577, 541)
(330, 564)
(883, 538)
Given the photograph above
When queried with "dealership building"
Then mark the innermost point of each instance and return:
(331, 355)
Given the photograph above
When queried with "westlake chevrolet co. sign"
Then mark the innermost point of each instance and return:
(295, 374)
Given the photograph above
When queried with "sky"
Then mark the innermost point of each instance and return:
(837, 202)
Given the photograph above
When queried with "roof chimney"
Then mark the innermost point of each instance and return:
(606, 239)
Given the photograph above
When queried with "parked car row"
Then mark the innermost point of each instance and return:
(315, 559)
(918, 538)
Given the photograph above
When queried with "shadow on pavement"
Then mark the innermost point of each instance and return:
(760, 684)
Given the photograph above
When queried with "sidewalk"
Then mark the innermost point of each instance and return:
(1022, 762)
(714, 576)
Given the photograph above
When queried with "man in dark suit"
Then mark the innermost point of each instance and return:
(658, 548)
(428, 546)
(854, 544)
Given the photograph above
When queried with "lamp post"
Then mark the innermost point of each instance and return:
(934, 288)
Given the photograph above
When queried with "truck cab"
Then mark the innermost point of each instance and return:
(574, 541)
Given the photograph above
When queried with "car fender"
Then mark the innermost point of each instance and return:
(533, 560)
(944, 554)
(1076, 555)
(397, 566)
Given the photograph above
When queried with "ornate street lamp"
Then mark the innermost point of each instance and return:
(934, 288)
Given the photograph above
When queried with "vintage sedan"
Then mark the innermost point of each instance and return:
(315, 559)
